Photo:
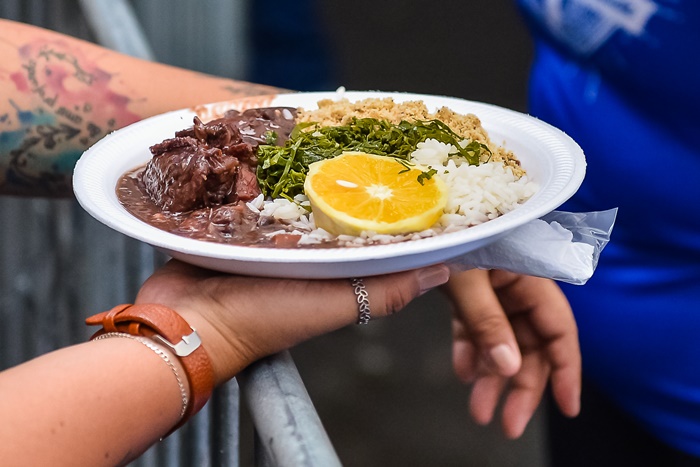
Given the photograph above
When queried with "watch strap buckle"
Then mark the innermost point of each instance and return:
(185, 346)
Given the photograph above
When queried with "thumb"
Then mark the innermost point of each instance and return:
(389, 294)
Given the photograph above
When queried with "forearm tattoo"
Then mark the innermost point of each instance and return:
(59, 104)
(56, 104)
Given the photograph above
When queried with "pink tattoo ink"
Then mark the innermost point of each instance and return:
(72, 106)
(72, 86)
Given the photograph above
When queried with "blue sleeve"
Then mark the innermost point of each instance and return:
(646, 48)
(639, 316)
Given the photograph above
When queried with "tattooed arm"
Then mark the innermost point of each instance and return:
(58, 95)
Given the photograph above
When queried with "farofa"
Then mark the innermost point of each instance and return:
(341, 112)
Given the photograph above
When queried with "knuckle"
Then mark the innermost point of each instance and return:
(396, 299)
(487, 324)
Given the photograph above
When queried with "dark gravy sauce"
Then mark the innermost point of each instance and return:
(198, 183)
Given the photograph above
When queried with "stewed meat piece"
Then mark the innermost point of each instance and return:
(213, 163)
(186, 174)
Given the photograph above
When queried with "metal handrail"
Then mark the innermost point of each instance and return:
(289, 430)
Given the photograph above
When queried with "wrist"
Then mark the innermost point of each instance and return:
(169, 330)
(167, 356)
(223, 348)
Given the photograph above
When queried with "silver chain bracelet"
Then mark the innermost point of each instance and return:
(162, 355)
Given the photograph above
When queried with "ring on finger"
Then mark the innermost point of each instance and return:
(362, 296)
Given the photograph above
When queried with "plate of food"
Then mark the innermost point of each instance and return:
(328, 184)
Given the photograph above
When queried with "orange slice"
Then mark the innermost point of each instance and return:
(357, 192)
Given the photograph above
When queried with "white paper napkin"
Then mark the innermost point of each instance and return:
(546, 248)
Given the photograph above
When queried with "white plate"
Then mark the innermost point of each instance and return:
(549, 156)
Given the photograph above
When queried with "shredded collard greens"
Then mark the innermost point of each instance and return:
(282, 169)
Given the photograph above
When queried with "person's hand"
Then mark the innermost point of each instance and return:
(512, 334)
(242, 319)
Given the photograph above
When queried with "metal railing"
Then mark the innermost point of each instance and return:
(288, 429)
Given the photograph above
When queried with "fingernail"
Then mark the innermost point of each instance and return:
(518, 426)
(575, 403)
(507, 360)
(431, 277)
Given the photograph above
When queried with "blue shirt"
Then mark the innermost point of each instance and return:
(622, 77)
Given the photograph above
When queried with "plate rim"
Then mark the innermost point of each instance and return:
(168, 241)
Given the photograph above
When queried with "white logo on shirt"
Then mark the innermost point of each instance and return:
(584, 25)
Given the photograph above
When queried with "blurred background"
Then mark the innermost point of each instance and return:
(385, 392)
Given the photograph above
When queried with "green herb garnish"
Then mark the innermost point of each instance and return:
(426, 175)
(270, 137)
(407, 166)
(282, 169)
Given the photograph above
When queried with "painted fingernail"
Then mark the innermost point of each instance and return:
(431, 277)
(507, 360)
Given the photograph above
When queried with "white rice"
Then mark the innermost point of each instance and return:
(476, 194)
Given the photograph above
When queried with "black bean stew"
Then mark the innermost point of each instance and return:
(198, 183)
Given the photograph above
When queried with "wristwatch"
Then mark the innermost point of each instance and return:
(166, 327)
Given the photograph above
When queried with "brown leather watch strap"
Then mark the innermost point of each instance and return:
(167, 327)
